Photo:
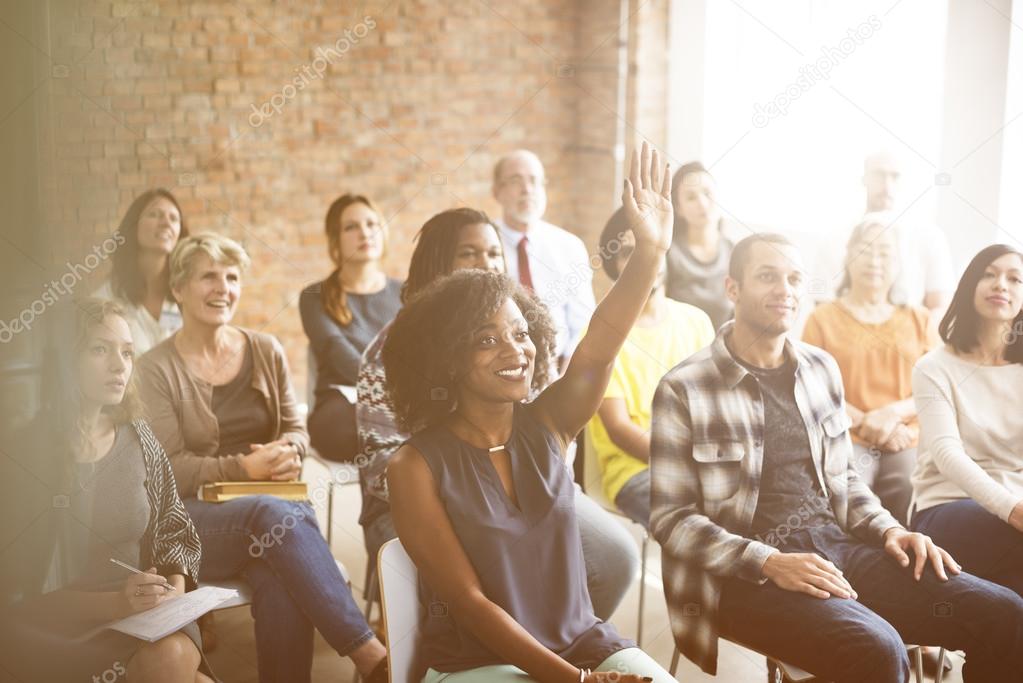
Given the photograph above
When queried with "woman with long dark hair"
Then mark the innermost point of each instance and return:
(968, 484)
(148, 232)
(481, 496)
(342, 314)
(114, 498)
(699, 254)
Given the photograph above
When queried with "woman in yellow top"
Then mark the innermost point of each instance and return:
(876, 344)
(666, 333)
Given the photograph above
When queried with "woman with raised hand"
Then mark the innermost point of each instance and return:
(454, 240)
(968, 483)
(481, 497)
(115, 498)
(876, 344)
(342, 314)
(221, 401)
(139, 279)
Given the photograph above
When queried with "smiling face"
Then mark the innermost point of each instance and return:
(105, 362)
(209, 295)
(694, 200)
(999, 294)
(478, 247)
(520, 188)
(159, 226)
(872, 259)
(767, 299)
(360, 237)
(501, 359)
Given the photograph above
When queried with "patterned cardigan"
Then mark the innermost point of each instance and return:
(170, 542)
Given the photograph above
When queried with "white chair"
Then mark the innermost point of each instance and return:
(338, 473)
(592, 487)
(403, 613)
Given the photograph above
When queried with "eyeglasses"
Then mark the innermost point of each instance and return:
(518, 180)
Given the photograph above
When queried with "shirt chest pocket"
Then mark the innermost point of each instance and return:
(719, 467)
(836, 443)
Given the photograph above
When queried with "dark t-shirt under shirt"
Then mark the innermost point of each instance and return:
(790, 495)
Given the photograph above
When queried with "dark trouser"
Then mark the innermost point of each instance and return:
(861, 641)
(982, 543)
(297, 587)
(332, 430)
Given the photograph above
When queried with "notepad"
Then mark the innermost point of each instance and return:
(221, 491)
(170, 616)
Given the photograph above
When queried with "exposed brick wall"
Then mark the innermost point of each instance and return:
(416, 102)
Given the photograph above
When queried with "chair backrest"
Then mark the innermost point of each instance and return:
(310, 377)
(403, 613)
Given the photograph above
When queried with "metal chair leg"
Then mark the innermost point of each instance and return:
(941, 666)
(330, 512)
(674, 662)
(918, 661)
(642, 588)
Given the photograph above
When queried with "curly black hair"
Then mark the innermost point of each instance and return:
(432, 335)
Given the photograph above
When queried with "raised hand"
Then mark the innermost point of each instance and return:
(647, 199)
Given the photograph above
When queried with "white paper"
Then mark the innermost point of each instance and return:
(172, 615)
(350, 393)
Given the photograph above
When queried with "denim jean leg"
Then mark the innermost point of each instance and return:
(834, 639)
(610, 553)
(633, 498)
(964, 613)
(285, 636)
(285, 536)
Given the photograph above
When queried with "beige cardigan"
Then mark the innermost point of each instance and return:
(178, 405)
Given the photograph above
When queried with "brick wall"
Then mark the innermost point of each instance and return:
(257, 114)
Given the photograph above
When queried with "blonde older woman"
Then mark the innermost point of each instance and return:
(222, 403)
(876, 343)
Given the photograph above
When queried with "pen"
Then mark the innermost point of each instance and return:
(138, 571)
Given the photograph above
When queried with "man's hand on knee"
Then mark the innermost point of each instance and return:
(898, 543)
(807, 573)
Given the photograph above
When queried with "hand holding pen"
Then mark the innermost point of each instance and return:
(144, 589)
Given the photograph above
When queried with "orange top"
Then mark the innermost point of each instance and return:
(876, 359)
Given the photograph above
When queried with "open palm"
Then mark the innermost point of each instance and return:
(647, 199)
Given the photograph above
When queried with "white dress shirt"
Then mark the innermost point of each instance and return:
(562, 277)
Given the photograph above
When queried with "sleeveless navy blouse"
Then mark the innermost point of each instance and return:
(529, 558)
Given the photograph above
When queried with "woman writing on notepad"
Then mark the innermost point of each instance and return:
(222, 404)
(113, 499)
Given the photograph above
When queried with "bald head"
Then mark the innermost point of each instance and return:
(881, 173)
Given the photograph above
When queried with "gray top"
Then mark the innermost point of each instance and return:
(242, 413)
(338, 348)
(529, 559)
(699, 283)
(788, 486)
(111, 507)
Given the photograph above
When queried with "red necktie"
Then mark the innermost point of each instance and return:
(525, 277)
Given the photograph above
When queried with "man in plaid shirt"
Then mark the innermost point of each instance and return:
(768, 535)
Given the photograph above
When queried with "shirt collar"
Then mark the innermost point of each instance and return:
(513, 236)
(731, 371)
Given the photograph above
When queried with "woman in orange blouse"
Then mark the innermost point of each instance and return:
(876, 344)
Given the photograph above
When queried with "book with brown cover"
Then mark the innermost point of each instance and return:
(221, 491)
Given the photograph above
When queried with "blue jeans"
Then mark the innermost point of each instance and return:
(982, 543)
(633, 498)
(297, 587)
(861, 641)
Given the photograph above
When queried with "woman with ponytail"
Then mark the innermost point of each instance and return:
(342, 314)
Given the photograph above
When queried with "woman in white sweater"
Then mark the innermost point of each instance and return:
(968, 483)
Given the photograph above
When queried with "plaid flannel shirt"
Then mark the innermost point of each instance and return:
(706, 459)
